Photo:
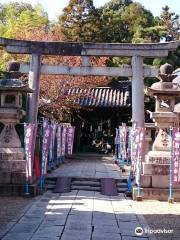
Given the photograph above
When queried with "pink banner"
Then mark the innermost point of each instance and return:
(124, 140)
(140, 153)
(134, 147)
(137, 151)
(59, 140)
(53, 127)
(70, 139)
(45, 145)
(29, 138)
(63, 146)
(175, 155)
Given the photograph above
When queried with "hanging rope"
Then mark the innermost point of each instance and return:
(91, 123)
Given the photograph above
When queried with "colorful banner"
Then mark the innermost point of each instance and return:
(59, 142)
(29, 138)
(117, 138)
(175, 155)
(45, 145)
(140, 154)
(70, 139)
(63, 146)
(124, 141)
(52, 150)
(121, 144)
(134, 147)
(129, 146)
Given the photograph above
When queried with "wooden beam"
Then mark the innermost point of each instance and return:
(125, 71)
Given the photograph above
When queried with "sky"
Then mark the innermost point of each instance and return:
(55, 7)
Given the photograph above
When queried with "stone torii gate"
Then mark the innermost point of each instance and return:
(137, 71)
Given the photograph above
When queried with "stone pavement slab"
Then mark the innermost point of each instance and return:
(98, 230)
(88, 165)
(17, 236)
(69, 235)
(24, 228)
(106, 236)
(50, 231)
(133, 238)
(126, 217)
(128, 228)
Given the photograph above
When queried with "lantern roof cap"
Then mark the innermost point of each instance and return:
(14, 85)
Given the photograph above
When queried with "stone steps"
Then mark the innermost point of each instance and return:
(86, 188)
(87, 184)
(121, 184)
(121, 190)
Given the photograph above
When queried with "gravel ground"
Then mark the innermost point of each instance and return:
(11, 207)
(160, 215)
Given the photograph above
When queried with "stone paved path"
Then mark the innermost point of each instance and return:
(89, 165)
(11, 207)
(78, 215)
(81, 215)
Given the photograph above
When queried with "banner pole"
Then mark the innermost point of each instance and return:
(170, 199)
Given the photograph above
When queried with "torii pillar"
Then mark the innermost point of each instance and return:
(137, 91)
(34, 84)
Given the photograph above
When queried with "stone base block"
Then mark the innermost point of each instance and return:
(146, 181)
(147, 168)
(11, 153)
(157, 194)
(13, 165)
(17, 190)
(5, 177)
(18, 178)
(15, 178)
(158, 157)
(155, 169)
(160, 181)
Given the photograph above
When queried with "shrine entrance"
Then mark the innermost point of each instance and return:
(137, 71)
(102, 110)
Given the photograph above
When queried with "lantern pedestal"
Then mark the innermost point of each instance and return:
(12, 159)
(155, 177)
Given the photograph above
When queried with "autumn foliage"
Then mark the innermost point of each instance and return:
(54, 98)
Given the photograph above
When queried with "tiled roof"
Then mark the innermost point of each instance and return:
(103, 96)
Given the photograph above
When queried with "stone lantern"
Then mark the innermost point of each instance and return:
(155, 171)
(12, 163)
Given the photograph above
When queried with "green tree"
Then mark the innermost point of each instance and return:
(15, 17)
(80, 21)
(112, 27)
(170, 21)
(20, 21)
(139, 23)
